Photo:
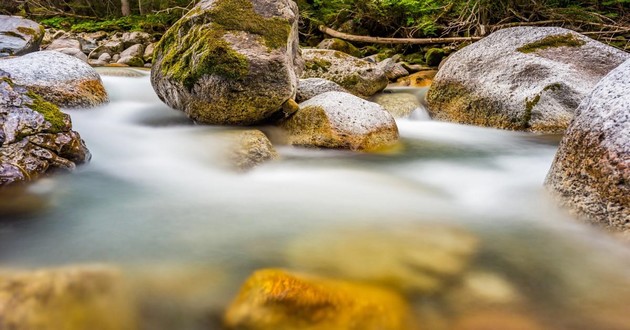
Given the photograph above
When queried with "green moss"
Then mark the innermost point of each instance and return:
(51, 112)
(8, 81)
(434, 56)
(553, 87)
(202, 49)
(529, 107)
(562, 40)
(27, 31)
(318, 64)
(350, 81)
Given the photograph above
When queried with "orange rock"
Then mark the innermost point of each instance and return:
(274, 299)
(496, 320)
(418, 79)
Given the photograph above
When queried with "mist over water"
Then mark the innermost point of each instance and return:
(155, 194)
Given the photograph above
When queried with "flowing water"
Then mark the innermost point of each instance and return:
(154, 200)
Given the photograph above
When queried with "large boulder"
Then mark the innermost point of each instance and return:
(341, 120)
(230, 61)
(72, 298)
(35, 136)
(274, 299)
(591, 171)
(525, 78)
(358, 76)
(19, 36)
(61, 79)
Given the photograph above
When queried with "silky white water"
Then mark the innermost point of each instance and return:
(154, 194)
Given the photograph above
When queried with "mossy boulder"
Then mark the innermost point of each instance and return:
(232, 62)
(525, 78)
(340, 45)
(61, 79)
(36, 137)
(19, 36)
(73, 298)
(273, 299)
(421, 259)
(341, 120)
(359, 77)
(591, 172)
(434, 56)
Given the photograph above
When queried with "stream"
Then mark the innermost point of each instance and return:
(154, 200)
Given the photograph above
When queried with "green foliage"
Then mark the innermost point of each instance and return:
(150, 23)
(563, 40)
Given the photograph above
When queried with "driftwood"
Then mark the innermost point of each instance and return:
(409, 41)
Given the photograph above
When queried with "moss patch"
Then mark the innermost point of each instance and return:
(51, 112)
(434, 56)
(529, 107)
(27, 31)
(202, 49)
(317, 64)
(562, 40)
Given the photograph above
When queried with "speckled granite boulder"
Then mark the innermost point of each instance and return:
(35, 136)
(525, 78)
(19, 36)
(231, 62)
(358, 76)
(311, 87)
(341, 120)
(591, 172)
(61, 79)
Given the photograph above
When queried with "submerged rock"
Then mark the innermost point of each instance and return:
(525, 78)
(417, 259)
(247, 149)
(61, 79)
(311, 87)
(400, 105)
(591, 171)
(35, 136)
(360, 77)
(341, 120)
(278, 300)
(19, 36)
(79, 298)
(230, 61)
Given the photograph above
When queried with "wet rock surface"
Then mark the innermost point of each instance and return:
(60, 79)
(591, 172)
(359, 77)
(525, 78)
(35, 136)
(400, 105)
(311, 87)
(230, 61)
(19, 36)
(341, 120)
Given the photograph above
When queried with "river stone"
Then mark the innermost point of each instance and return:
(72, 298)
(361, 78)
(111, 47)
(105, 57)
(231, 62)
(421, 259)
(136, 37)
(61, 79)
(400, 105)
(136, 50)
(64, 43)
(246, 149)
(131, 61)
(591, 171)
(392, 69)
(19, 36)
(35, 136)
(73, 52)
(148, 52)
(311, 87)
(339, 45)
(524, 78)
(341, 120)
(274, 299)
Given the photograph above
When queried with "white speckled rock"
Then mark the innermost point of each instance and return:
(61, 79)
(359, 77)
(136, 50)
(19, 36)
(341, 120)
(62, 43)
(311, 87)
(73, 52)
(525, 78)
(392, 69)
(591, 172)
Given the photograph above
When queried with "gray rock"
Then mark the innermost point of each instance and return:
(131, 61)
(136, 50)
(35, 136)
(105, 57)
(526, 78)
(311, 87)
(591, 171)
(339, 45)
(19, 36)
(359, 77)
(132, 38)
(400, 105)
(64, 43)
(341, 120)
(96, 63)
(61, 79)
(224, 65)
(148, 52)
(73, 52)
(392, 69)
(111, 47)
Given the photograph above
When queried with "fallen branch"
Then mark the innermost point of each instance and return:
(409, 41)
